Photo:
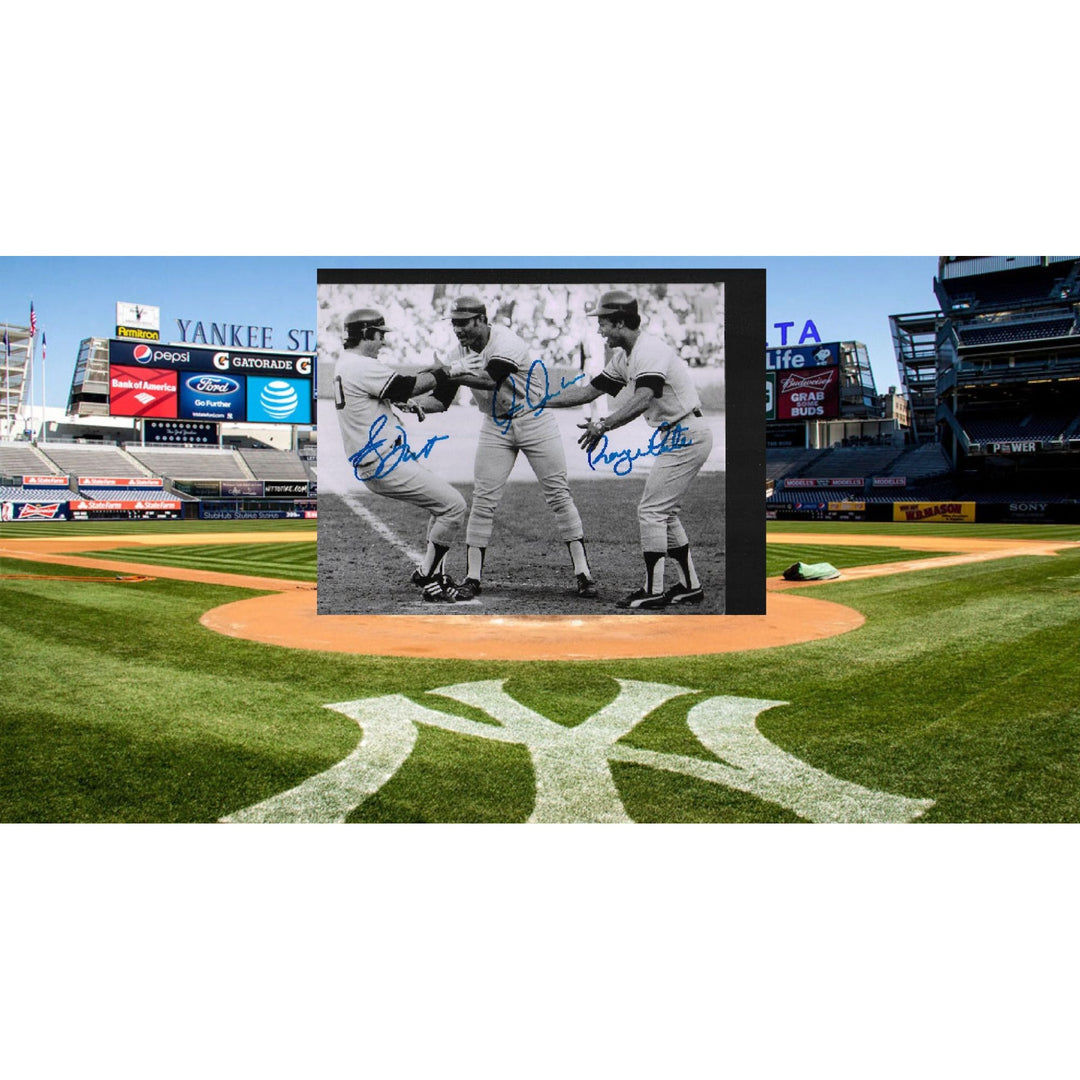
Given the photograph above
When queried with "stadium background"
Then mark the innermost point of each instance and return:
(140, 714)
(525, 566)
(965, 363)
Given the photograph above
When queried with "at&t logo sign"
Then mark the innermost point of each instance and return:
(279, 399)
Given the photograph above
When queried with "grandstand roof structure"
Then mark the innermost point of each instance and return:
(17, 361)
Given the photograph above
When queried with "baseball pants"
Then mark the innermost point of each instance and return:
(411, 483)
(537, 437)
(669, 479)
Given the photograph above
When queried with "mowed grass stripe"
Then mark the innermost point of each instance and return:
(294, 560)
(186, 527)
(927, 528)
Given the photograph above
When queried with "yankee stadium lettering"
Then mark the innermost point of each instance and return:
(572, 765)
(664, 440)
(390, 459)
(241, 336)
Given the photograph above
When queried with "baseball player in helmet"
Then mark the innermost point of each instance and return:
(494, 363)
(365, 392)
(664, 394)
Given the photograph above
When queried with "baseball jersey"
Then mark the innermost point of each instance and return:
(504, 345)
(652, 357)
(360, 383)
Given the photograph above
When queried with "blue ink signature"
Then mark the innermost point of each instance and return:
(389, 459)
(665, 439)
(537, 393)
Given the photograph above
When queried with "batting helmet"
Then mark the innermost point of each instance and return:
(362, 325)
(465, 308)
(615, 303)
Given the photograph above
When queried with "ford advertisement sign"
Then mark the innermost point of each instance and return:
(211, 397)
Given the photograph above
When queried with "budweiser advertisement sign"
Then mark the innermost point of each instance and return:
(808, 395)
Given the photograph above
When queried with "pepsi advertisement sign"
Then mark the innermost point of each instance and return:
(153, 354)
(206, 396)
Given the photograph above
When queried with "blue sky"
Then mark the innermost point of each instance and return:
(847, 298)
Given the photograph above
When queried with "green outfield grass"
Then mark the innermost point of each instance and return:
(294, 559)
(960, 688)
(193, 526)
(927, 528)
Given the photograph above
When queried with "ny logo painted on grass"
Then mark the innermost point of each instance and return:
(572, 764)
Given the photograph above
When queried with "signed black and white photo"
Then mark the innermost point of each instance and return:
(509, 443)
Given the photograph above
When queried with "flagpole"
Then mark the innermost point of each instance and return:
(28, 387)
(30, 364)
(43, 431)
(7, 383)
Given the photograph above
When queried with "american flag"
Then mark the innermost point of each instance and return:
(43, 346)
(33, 320)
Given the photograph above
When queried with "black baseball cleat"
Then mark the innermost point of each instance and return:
(586, 587)
(683, 594)
(440, 589)
(420, 578)
(643, 599)
(468, 589)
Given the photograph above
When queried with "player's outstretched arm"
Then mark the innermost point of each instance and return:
(573, 395)
(426, 403)
(594, 430)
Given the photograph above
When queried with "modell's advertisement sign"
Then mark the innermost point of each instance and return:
(812, 394)
(138, 321)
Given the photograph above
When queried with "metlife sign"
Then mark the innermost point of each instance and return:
(189, 383)
(798, 357)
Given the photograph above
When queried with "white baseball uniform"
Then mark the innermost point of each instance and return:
(377, 444)
(679, 405)
(536, 436)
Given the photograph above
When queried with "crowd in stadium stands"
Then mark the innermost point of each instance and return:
(551, 318)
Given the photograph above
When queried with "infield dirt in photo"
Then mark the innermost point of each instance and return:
(286, 616)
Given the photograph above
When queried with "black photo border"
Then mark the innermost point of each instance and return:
(744, 387)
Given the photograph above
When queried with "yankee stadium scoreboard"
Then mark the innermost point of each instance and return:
(154, 380)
